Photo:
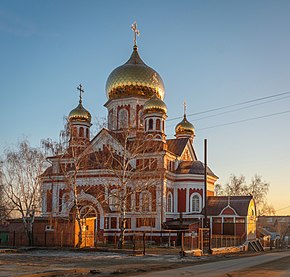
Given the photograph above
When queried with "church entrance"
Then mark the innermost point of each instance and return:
(89, 226)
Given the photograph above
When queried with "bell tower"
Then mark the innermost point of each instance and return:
(79, 120)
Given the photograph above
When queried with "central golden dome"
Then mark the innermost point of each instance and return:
(134, 78)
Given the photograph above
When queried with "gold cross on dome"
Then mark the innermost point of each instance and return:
(136, 32)
(80, 88)
(184, 107)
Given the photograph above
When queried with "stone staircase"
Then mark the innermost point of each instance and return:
(255, 245)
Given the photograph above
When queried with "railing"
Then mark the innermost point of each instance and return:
(218, 241)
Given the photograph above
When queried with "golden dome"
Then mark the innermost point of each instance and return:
(79, 114)
(155, 104)
(134, 78)
(184, 127)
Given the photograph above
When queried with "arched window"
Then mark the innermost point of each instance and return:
(169, 202)
(110, 120)
(81, 132)
(158, 137)
(65, 202)
(158, 124)
(123, 119)
(74, 131)
(114, 200)
(150, 124)
(87, 133)
(145, 201)
(195, 203)
(140, 118)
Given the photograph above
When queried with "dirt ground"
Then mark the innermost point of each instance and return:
(56, 263)
(277, 268)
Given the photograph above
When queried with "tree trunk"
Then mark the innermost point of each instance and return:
(122, 232)
(80, 234)
(29, 237)
(28, 227)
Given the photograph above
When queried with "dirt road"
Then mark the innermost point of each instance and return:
(268, 265)
(38, 263)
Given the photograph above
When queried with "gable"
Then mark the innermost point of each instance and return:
(182, 147)
(239, 204)
(228, 211)
(104, 137)
(188, 153)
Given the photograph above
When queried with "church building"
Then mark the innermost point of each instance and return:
(129, 175)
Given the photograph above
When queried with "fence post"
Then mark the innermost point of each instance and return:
(134, 246)
(182, 244)
(144, 243)
(115, 240)
(45, 238)
(61, 238)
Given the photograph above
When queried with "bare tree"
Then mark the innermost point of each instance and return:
(282, 227)
(70, 159)
(266, 209)
(257, 188)
(20, 180)
(5, 206)
(136, 171)
(236, 186)
(129, 160)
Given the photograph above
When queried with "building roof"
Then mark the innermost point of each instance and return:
(180, 223)
(176, 146)
(134, 78)
(193, 167)
(215, 204)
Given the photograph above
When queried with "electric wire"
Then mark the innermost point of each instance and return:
(232, 105)
(235, 110)
(240, 121)
(244, 120)
(282, 208)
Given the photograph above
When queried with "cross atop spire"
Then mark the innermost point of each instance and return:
(229, 200)
(136, 32)
(80, 88)
(184, 107)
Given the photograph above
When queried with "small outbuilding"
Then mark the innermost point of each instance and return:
(233, 216)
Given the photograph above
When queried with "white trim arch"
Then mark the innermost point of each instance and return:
(195, 202)
(145, 200)
(65, 202)
(140, 119)
(123, 119)
(169, 202)
(114, 200)
(88, 197)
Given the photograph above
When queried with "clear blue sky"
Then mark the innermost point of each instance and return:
(211, 53)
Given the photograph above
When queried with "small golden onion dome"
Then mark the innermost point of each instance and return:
(184, 127)
(134, 78)
(154, 105)
(79, 114)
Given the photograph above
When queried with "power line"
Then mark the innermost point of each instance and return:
(283, 208)
(245, 120)
(242, 108)
(237, 109)
(233, 105)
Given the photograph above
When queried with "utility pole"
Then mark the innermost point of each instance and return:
(205, 184)
(206, 223)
